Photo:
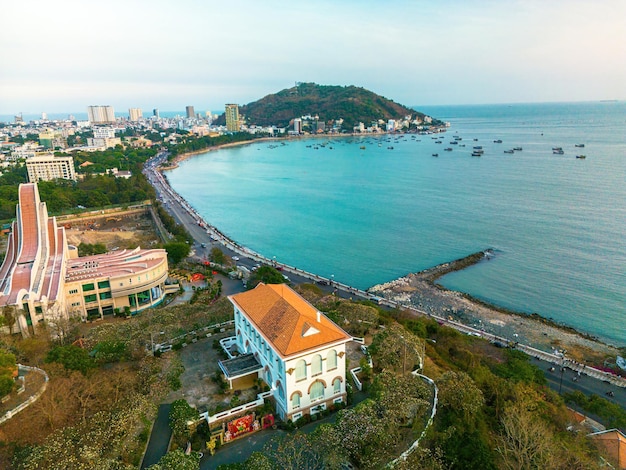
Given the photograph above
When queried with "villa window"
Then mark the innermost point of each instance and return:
(336, 386)
(295, 401)
(316, 365)
(331, 360)
(300, 370)
(317, 391)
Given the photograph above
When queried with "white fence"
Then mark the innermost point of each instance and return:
(33, 398)
(238, 409)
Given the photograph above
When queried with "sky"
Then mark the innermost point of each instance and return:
(64, 55)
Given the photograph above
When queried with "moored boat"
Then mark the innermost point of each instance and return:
(582, 157)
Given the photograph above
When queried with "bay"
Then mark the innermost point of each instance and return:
(371, 215)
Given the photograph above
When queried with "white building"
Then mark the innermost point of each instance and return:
(297, 125)
(49, 167)
(293, 347)
(103, 133)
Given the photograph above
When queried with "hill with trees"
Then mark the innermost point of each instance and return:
(350, 103)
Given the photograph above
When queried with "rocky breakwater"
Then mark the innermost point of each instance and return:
(420, 291)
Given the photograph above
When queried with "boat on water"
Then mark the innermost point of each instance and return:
(517, 149)
(477, 154)
(497, 141)
(448, 149)
(582, 157)
(435, 154)
(362, 147)
(558, 151)
(478, 147)
(389, 148)
(509, 151)
(580, 146)
(437, 141)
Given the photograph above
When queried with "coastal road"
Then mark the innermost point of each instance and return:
(569, 381)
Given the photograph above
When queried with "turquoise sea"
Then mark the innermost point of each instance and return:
(367, 216)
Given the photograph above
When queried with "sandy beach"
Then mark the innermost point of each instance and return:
(421, 291)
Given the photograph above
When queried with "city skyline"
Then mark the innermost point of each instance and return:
(65, 56)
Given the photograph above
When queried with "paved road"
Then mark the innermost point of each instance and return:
(564, 382)
(159, 438)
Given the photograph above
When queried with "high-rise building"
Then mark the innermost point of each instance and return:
(190, 112)
(49, 167)
(101, 114)
(297, 125)
(155, 113)
(232, 118)
(135, 114)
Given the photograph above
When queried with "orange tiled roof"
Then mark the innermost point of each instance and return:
(286, 320)
(614, 441)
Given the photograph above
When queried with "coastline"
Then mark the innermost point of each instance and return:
(184, 156)
(421, 291)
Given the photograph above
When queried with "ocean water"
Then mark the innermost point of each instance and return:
(367, 216)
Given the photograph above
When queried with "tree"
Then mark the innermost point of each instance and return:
(180, 414)
(217, 256)
(294, 452)
(267, 275)
(525, 439)
(397, 349)
(8, 367)
(9, 317)
(459, 394)
(177, 251)
(178, 460)
(72, 357)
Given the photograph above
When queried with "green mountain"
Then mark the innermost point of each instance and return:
(350, 103)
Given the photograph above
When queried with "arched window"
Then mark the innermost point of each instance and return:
(316, 365)
(281, 390)
(268, 376)
(295, 401)
(337, 386)
(331, 360)
(317, 391)
(300, 370)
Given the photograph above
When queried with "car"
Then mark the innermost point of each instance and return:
(235, 258)
(203, 245)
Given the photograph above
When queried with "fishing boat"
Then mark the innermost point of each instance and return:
(435, 154)
(580, 146)
(448, 149)
(582, 157)
(557, 151)
(497, 141)
(477, 154)
(508, 151)
(517, 149)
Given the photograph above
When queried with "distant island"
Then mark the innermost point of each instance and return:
(350, 105)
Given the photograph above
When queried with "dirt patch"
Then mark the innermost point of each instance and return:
(115, 233)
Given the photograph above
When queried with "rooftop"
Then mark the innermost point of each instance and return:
(286, 320)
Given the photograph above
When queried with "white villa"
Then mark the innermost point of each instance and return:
(294, 348)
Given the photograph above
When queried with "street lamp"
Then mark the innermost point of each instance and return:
(332, 279)
(152, 340)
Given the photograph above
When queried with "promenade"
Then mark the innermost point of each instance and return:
(203, 232)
